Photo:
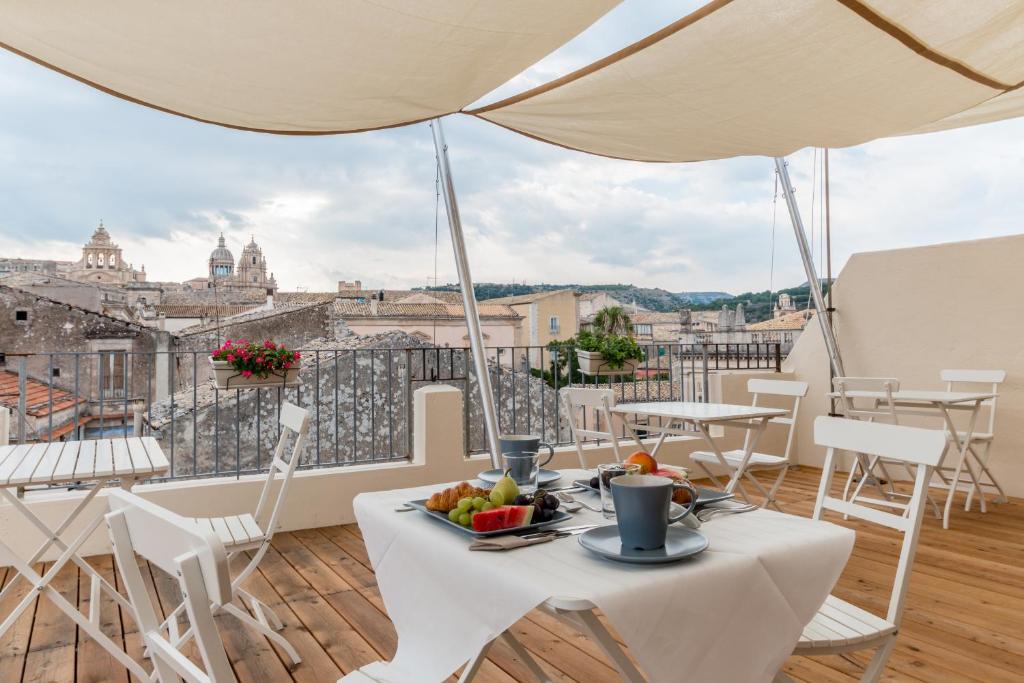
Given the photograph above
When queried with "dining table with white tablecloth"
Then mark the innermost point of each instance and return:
(731, 613)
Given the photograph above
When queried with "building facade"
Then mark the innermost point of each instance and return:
(250, 272)
(102, 262)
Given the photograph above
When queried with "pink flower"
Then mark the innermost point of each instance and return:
(227, 343)
(231, 358)
(287, 365)
(297, 355)
(246, 373)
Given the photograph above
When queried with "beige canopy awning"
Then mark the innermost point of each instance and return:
(295, 66)
(768, 77)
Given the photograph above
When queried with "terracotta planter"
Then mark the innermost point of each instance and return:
(226, 377)
(593, 363)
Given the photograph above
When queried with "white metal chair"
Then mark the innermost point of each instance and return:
(989, 380)
(253, 532)
(760, 462)
(576, 403)
(839, 626)
(197, 559)
(867, 469)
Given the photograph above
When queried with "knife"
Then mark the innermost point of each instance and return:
(561, 532)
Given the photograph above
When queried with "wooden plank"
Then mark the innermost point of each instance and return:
(95, 664)
(65, 469)
(139, 457)
(12, 460)
(123, 465)
(237, 529)
(48, 463)
(14, 644)
(23, 473)
(104, 462)
(156, 455)
(86, 463)
(51, 654)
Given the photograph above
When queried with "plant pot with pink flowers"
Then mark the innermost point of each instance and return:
(242, 364)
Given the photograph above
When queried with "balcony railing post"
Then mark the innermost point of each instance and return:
(778, 357)
(704, 371)
(22, 397)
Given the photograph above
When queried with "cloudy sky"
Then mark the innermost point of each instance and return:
(363, 206)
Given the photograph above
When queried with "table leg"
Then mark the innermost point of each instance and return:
(962, 448)
(54, 539)
(473, 665)
(527, 658)
(593, 627)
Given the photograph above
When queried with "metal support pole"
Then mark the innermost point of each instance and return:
(812, 275)
(22, 398)
(476, 337)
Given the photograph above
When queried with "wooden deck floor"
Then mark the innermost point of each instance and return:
(963, 621)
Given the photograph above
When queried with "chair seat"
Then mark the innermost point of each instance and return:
(234, 531)
(976, 436)
(840, 624)
(734, 458)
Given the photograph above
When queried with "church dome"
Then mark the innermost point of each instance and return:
(222, 253)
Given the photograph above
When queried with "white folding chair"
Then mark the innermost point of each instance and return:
(198, 561)
(839, 626)
(577, 402)
(253, 532)
(987, 380)
(866, 469)
(744, 467)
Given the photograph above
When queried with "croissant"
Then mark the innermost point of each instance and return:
(447, 500)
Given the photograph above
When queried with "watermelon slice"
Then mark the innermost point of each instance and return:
(518, 515)
(490, 520)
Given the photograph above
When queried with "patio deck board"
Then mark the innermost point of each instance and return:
(961, 622)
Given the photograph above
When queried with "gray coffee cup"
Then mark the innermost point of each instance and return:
(643, 509)
(524, 443)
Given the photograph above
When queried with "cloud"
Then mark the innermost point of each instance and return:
(363, 206)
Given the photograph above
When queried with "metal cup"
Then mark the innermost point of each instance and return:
(643, 509)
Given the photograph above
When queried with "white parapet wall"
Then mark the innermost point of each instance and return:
(909, 313)
(318, 497)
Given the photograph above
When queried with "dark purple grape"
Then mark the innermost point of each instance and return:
(550, 502)
(522, 499)
(547, 515)
(594, 483)
(540, 493)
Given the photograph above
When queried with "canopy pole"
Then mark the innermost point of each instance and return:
(812, 276)
(476, 337)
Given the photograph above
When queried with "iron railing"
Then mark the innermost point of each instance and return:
(360, 399)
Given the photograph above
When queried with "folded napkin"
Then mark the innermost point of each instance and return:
(507, 542)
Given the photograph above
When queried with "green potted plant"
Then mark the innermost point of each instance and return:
(241, 364)
(608, 348)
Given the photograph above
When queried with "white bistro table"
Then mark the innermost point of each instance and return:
(942, 405)
(63, 463)
(732, 613)
(677, 415)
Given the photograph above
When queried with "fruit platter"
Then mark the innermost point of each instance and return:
(492, 512)
(648, 465)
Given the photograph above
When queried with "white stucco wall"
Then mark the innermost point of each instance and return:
(909, 313)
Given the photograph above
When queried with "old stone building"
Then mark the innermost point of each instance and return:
(112, 364)
(102, 262)
(250, 273)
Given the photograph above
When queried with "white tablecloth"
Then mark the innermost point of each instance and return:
(732, 613)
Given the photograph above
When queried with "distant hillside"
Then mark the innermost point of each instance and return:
(654, 299)
(757, 306)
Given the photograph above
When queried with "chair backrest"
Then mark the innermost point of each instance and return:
(990, 379)
(191, 554)
(867, 409)
(576, 403)
(778, 387)
(294, 424)
(920, 449)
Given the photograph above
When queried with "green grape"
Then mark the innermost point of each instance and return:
(453, 516)
(464, 504)
(478, 503)
(487, 506)
(464, 519)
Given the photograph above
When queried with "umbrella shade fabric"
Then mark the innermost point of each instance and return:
(300, 66)
(768, 77)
